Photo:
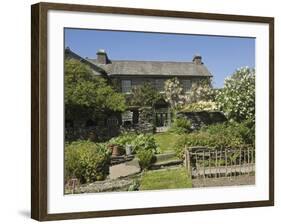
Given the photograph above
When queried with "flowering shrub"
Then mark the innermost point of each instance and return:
(201, 95)
(237, 98)
(200, 106)
(174, 93)
(201, 91)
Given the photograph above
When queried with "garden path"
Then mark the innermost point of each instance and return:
(124, 169)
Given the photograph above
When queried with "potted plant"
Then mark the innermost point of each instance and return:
(115, 150)
(110, 147)
(128, 149)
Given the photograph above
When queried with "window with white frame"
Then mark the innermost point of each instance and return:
(126, 86)
(186, 83)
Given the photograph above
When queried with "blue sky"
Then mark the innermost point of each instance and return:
(221, 55)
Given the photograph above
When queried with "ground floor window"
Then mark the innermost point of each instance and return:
(159, 84)
(126, 86)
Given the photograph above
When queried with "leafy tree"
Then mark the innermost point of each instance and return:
(144, 95)
(237, 98)
(86, 94)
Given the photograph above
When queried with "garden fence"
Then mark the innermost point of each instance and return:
(205, 162)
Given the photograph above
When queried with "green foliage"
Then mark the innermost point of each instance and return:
(144, 142)
(230, 134)
(138, 142)
(143, 145)
(145, 157)
(123, 139)
(86, 93)
(166, 140)
(86, 161)
(144, 95)
(180, 125)
(166, 179)
(237, 98)
(134, 186)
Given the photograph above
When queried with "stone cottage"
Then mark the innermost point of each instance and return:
(128, 74)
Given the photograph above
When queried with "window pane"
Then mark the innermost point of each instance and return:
(159, 84)
(126, 86)
(186, 85)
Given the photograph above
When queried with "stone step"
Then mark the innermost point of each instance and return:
(167, 163)
(120, 159)
(124, 169)
(165, 156)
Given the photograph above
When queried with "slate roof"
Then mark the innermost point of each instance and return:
(151, 68)
(144, 68)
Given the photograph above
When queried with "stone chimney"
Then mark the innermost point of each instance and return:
(197, 59)
(102, 57)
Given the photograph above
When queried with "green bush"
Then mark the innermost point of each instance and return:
(230, 134)
(180, 125)
(138, 142)
(244, 131)
(143, 145)
(145, 157)
(144, 142)
(123, 139)
(86, 161)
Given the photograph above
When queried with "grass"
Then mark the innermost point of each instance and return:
(165, 179)
(166, 140)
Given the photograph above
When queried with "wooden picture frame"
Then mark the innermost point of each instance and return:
(39, 110)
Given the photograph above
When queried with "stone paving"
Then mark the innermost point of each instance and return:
(124, 169)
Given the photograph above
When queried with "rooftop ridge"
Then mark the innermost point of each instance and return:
(156, 61)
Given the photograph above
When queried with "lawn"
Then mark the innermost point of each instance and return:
(166, 140)
(165, 179)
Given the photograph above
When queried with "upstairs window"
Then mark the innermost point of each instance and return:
(186, 84)
(159, 84)
(126, 86)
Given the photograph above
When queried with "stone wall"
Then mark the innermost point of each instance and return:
(145, 122)
(199, 119)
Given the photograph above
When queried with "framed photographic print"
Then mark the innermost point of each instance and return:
(139, 111)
